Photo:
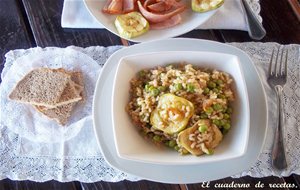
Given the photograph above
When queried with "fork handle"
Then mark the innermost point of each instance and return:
(255, 29)
(278, 152)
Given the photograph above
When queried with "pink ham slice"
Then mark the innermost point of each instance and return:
(155, 17)
(157, 7)
(129, 6)
(167, 23)
(171, 3)
(148, 2)
(105, 8)
(113, 7)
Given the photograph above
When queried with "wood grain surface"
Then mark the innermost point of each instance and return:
(280, 22)
(295, 4)
(44, 17)
(30, 23)
(14, 33)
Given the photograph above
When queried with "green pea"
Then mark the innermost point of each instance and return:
(222, 122)
(224, 131)
(211, 84)
(176, 147)
(217, 107)
(216, 122)
(215, 90)
(202, 128)
(219, 82)
(206, 91)
(142, 73)
(147, 87)
(210, 151)
(162, 88)
(157, 138)
(190, 88)
(172, 143)
(151, 87)
(226, 116)
(155, 91)
(227, 126)
(229, 110)
(221, 96)
(203, 116)
(209, 110)
(178, 86)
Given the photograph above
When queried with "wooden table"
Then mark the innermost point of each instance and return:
(30, 23)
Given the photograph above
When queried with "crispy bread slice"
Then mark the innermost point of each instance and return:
(42, 87)
(62, 113)
(69, 95)
(77, 78)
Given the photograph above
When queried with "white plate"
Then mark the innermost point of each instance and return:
(190, 20)
(180, 174)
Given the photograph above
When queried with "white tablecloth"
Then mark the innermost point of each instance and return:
(80, 159)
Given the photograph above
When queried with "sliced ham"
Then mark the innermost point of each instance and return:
(113, 7)
(160, 14)
(129, 6)
(155, 17)
(157, 7)
(167, 23)
(148, 2)
(105, 8)
(170, 3)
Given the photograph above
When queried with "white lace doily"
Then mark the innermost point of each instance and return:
(261, 54)
(255, 6)
(80, 159)
(24, 119)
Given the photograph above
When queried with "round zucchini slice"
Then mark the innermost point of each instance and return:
(184, 141)
(131, 25)
(202, 6)
(172, 114)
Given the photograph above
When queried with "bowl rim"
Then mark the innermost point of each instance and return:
(215, 159)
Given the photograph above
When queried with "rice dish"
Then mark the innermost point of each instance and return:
(182, 106)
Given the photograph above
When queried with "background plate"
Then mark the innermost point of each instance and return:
(190, 20)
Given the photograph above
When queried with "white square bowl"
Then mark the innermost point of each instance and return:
(131, 145)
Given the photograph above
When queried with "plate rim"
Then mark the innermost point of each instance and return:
(134, 48)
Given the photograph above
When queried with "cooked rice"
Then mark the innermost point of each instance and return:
(183, 80)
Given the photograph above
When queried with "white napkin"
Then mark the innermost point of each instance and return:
(229, 16)
(25, 120)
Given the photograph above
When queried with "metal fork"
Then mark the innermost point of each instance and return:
(277, 80)
(255, 28)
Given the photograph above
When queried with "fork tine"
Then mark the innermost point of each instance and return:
(286, 61)
(281, 60)
(276, 61)
(270, 64)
